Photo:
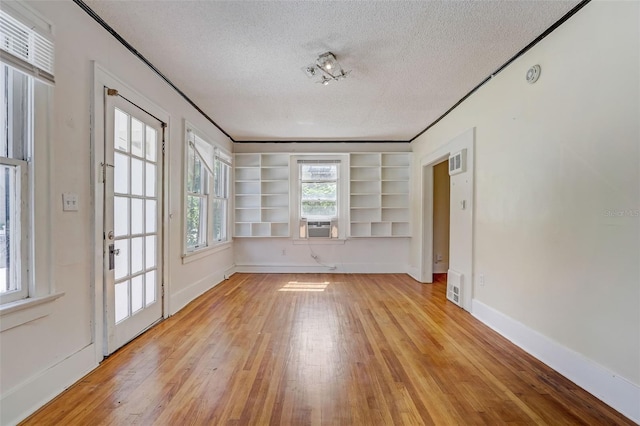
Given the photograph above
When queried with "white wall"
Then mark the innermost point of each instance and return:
(357, 255)
(40, 358)
(557, 193)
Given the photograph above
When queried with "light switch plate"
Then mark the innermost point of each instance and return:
(69, 202)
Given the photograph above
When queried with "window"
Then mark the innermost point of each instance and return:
(26, 71)
(15, 148)
(207, 194)
(221, 196)
(197, 200)
(319, 191)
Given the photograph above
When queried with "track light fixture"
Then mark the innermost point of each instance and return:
(327, 69)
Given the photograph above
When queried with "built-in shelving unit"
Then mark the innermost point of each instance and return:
(261, 195)
(379, 194)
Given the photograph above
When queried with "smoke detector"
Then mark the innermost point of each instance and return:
(533, 74)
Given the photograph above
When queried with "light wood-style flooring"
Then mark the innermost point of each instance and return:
(323, 349)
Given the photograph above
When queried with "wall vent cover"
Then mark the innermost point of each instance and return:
(454, 286)
(458, 162)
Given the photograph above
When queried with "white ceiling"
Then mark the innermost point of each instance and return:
(241, 61)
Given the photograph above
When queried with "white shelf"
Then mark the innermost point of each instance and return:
(261, 195)
(365, 187)
(395, 159)
(247, 160)
(379, 194)
(247, 174)
(365, 160)
(365, 200)
(247, 201)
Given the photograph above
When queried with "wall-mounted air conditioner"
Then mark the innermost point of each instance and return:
(318, 228)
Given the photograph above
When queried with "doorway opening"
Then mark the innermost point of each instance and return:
(441, 222)
(459, 232)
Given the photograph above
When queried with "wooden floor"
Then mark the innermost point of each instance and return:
(311, 349)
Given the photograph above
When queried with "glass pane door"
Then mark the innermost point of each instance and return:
(132, 223)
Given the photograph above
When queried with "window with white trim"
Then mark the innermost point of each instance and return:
(15, 160)
(208, 175)
(221, 184)
(26, 71)
(319, 190)
(321, 195)
(197, 199)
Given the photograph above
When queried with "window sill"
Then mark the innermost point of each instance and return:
(205, 252)
(320, 241)
(22, 311)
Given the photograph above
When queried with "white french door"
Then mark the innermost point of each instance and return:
(132, 221)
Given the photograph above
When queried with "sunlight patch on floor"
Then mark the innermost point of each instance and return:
(302, 286)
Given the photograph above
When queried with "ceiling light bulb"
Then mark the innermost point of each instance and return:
(327, 65)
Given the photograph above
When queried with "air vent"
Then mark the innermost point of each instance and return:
(454, 286)
(458, 162)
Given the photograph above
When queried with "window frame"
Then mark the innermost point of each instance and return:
(342, 160)
(23, 184)
(221, 193)
(202, 195)
(302, 181)
(36, 252)
(216, 191)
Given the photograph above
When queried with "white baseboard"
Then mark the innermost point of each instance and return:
(614, 390)
(23, 400)
(343, 268)
(414, 273)
(182, 298)
(229, 272)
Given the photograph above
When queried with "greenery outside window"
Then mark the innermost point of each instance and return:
(206, 194)
(197, 200)
(319, 191)
(221, 184)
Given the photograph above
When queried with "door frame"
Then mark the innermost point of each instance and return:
(460, 253)
(101, 79)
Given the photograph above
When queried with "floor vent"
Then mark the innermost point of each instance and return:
(454, 285)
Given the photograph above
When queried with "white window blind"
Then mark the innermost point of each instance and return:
(318, 161)
(23, 47)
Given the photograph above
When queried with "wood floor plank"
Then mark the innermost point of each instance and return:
(323, 349)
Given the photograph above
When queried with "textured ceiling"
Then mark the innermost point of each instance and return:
(241, 61)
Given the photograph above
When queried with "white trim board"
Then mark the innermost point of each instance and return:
(24, 400)
(103, 78)
(338, 268)
(461, 223)
(185, 296)
(612, 389)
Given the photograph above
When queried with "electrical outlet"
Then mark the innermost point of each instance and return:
(481, 280)
(438, 258)
(284, 252)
